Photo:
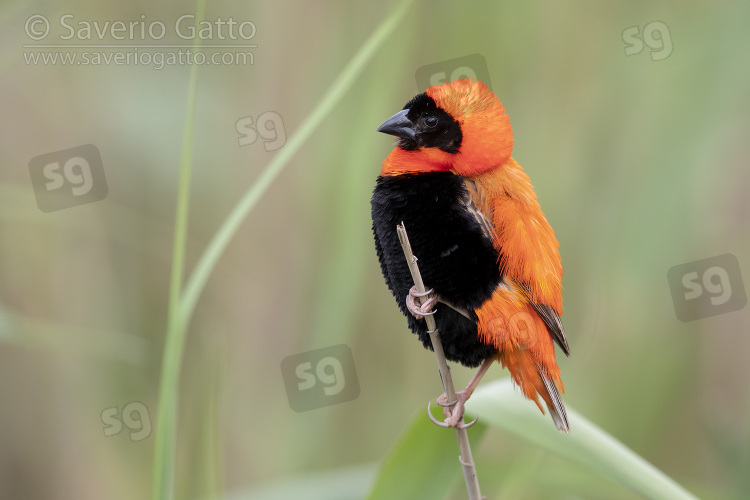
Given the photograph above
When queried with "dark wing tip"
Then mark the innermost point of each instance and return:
(552, 320)
(557, 409)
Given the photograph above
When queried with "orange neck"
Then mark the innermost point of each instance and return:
(401, 161)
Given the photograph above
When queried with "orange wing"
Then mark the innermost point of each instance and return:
(522, 317)
(522, 234)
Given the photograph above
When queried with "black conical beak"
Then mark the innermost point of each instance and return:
(399, 125)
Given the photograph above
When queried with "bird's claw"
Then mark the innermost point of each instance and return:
(466, 426)
(426, 306)
(434, 420)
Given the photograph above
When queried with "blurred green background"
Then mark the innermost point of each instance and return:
(639, 165)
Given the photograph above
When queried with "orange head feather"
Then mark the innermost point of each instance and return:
(487, 136)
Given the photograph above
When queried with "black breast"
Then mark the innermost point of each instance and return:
(455, 258)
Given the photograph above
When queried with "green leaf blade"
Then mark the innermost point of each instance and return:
(499, 405)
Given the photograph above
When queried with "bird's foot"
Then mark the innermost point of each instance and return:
(423, 307)
(453, 411)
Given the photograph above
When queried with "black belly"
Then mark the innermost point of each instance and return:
(455, 258)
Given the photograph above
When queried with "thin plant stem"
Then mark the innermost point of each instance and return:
(182, 302)
(466, 459)
(166, 420)
(231, 224)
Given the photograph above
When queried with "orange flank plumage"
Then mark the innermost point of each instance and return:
(460, 130)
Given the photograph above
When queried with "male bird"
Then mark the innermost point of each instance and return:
(484, 246)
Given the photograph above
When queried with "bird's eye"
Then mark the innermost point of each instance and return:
(430, 121)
